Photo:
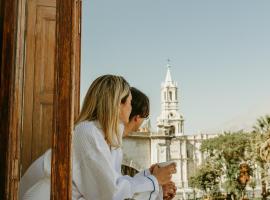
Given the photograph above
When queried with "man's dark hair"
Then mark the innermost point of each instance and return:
(140, 104)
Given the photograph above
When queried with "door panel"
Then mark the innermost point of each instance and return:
(39, 80)
(43, 80)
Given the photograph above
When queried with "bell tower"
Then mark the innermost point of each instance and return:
(170, 122)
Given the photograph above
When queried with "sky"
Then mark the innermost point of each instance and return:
(219, 51)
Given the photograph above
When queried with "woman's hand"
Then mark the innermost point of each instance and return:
(163, 174)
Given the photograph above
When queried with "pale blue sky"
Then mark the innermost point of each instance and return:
(219, 52)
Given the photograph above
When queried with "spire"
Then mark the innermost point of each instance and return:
(168, 75)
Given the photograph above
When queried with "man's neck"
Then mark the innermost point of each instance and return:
(128, 129)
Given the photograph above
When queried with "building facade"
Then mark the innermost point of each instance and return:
(169, 142)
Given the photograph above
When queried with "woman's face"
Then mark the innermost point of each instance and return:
(125, 110)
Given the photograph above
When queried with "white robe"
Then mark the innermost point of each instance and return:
(32, 175)
(96, 172)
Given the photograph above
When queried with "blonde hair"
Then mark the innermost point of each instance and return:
(102, 103)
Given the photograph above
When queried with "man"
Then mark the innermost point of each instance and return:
(140, 111)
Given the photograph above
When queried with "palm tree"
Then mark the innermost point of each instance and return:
(262, 129)
(262, 125)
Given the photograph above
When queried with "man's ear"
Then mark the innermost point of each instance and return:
(136, 118)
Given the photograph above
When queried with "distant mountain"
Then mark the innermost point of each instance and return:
(243, 121)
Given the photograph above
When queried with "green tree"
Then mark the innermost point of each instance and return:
(207, 178)
(229, 150)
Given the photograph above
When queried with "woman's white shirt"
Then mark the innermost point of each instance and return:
(97, 168)
(96, 171)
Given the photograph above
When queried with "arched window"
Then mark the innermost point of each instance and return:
(170, 95)
(172, 130)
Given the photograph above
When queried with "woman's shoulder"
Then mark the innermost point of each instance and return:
(87, 130)
(85, 125)
(88, 138)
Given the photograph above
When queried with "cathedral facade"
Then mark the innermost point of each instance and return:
(168, 143)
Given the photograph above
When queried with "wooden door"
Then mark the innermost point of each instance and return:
(39, 79)
(25, 93)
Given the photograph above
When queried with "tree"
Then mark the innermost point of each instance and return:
(207, 178)
(229, 150)
(262, 125)
(261, 131)
(244, 177)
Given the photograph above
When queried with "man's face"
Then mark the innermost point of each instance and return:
(133, 125)
(136, 122)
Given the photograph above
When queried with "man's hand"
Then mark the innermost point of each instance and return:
(152, 168)
(169, 191)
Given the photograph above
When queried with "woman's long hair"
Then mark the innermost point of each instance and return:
(102, 103)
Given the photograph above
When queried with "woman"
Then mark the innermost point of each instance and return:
(96, 172)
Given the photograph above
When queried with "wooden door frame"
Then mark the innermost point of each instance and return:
(67, 81)
(10, 98)
(67, 33)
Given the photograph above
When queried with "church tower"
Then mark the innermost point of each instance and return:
(170, 122)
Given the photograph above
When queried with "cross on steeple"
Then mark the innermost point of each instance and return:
(168, 63)
(168, 78)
